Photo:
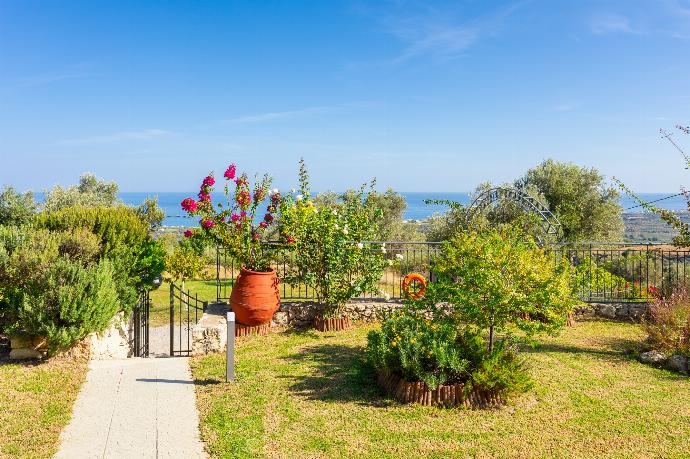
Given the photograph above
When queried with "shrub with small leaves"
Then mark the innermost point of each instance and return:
(667, 323)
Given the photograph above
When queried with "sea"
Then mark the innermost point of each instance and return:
(417, 209)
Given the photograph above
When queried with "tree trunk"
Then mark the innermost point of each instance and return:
(491, 338)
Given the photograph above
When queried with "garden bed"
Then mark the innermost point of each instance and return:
(444, 395)
(310, 394)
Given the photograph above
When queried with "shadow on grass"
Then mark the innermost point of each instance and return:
(608, 348)
(339, 374)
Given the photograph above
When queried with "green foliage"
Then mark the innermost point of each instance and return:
(118, 227)
(53, 284)
(587, 208)
(450, 224)
(438, 350)
(185, 263)
(498, 279)
(150, 213)
(16, 208)
(591, 277)
(328, 244)
(667, 323)
(68, 301)
(91, 192)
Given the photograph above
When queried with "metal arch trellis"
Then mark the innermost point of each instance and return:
(549, 222)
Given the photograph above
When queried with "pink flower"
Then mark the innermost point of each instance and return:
(235, 218)
(189, 205)
(204, 197)
(208, 181)
(263, 224)
(230, 172)
(256, 236)
(208, 223)
(243, 214)
(268, 218)
(290, 239)
(188, 233)
(259, 195)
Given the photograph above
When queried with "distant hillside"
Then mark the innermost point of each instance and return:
(649, 227)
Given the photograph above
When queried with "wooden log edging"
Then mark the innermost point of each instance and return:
(247, 330)
(447, 395)
(333, 324)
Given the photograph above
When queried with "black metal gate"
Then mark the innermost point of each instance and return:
(185, 312)
(140, 319)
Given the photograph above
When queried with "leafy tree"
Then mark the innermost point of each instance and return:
(150, 212)
(185, 263)
(90, 192)
(16, 208)
(445, 227)
(587, 208)
(498, 279)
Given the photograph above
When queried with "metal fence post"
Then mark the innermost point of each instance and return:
(230, 352)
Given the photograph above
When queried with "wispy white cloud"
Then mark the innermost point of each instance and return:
(565, 107)
(124, 136)
(29, 81)
(290, 114)
(442, 36)
(611, 23)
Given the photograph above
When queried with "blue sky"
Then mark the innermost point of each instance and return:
(424, 96)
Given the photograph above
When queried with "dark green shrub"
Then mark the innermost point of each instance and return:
(440, 351)
(53, 285)
(67, 302)
(119, 228)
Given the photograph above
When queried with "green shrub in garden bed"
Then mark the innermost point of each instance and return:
(491, 282)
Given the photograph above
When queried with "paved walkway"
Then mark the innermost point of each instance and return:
(135, 408)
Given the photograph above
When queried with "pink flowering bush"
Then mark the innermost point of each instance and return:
(237, 224)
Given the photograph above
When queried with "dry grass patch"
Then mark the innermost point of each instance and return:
(312, 395)
(35, 404)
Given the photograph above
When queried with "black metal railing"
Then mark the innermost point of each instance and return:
(622, 272)
(404, 258)
(140, 322)
(185, 311)
(602, 272)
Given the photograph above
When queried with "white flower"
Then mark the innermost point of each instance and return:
(399, 256)
(274, 191)
(383, 248)
(360, 245)
(335, 212)
(292, 190)
(345, 230)
(387, 296)
(337, 226)
(299, 197)
(316, 211)
(390, 262)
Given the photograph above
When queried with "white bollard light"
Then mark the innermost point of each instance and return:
(230, 353)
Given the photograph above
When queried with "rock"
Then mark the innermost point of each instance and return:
(677, 363)
(209, 335)
(607, 310)
(652, 357)
(25, 353)
(280, 318)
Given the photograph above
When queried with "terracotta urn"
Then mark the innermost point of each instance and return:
(255, 297)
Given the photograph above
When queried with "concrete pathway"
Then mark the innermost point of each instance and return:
(135, 408)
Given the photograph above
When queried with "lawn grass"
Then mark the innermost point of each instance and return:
(36, 404)
(311, 395)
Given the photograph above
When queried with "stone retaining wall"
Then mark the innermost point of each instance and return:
(112, 343)
(629, 312)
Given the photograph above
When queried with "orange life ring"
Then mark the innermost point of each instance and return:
(406, 286)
